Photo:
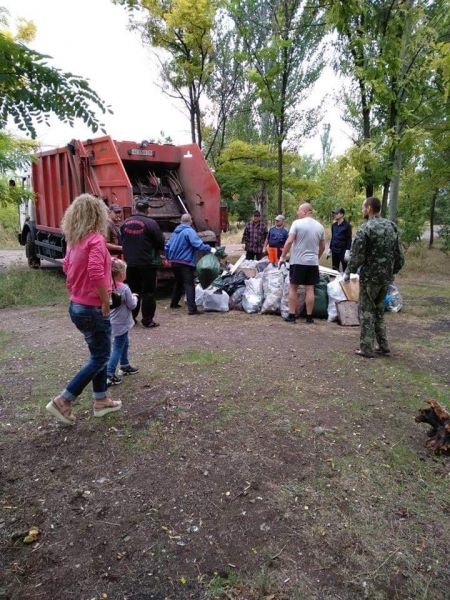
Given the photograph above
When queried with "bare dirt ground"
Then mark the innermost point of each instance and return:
(253, 459)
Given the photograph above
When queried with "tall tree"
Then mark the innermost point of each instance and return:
(227, 88)
(282, 49)
(182, 29)
(387, 48)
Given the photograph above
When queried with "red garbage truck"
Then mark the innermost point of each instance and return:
(174, 180)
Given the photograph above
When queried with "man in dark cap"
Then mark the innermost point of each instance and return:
(254, 237)
(113, 230)
(341, 240)
(142, 243)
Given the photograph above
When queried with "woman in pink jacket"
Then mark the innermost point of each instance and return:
(87, 266)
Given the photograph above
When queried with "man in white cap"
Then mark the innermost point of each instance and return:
(277, 236)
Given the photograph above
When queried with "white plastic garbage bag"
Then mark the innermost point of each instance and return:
(199, 293)
(253, 296)
(216, 300)
(393, 301)
(301, 297)
(236, 298)
(335, 294)
(273, 283)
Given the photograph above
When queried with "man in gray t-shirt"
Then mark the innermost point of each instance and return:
(306, 242)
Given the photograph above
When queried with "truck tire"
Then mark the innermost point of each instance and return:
(30, 251)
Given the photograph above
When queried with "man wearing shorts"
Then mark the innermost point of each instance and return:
(306, 243)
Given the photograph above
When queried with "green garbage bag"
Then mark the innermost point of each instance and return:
(320, 309)
(208, 269)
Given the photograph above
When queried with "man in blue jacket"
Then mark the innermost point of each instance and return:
(180, 250)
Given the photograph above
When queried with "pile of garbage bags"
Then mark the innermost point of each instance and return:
(261, 287)
(266, 292)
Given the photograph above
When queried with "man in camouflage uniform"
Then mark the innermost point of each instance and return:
(377, 252)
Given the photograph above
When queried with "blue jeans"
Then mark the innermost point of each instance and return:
(97, 332)
(119, 352)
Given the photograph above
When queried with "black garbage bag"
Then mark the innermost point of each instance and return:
(230, 283)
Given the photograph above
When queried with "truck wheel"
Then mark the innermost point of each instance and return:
(33, 261)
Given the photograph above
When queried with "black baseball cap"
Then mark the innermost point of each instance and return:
(142, 205)
(338, 210)
(115, 207)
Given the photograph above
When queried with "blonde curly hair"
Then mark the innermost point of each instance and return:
(85, 215)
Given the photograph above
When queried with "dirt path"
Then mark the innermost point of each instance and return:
(253, 459)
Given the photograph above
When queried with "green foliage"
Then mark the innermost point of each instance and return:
(15, 155)
(31, 90)
(339, 185)
(9, 225)
(242, 169)
(23, 287)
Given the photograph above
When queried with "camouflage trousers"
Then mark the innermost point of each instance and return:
(371, 315)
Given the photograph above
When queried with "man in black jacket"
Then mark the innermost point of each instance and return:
(142, 243)
(341, 240)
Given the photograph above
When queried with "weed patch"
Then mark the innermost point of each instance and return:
(31, 288)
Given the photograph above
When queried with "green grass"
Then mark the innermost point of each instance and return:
(31, 288)
(9, 226)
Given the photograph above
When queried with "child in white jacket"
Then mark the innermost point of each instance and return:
(121, 323)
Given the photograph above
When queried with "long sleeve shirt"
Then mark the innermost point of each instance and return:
(377, 252)
(341, 236)
(122, 317)
(142, 241)
(254, 236)
(87, 266)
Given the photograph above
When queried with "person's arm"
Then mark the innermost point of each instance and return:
(266, 242)
(287, 246)
(130, 300)
(96, 272)
(103, 294)
(155, 234)
(321, 247)
(113, 248)
(196, 242)
(245, 236)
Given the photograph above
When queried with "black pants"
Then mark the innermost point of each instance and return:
(142, 281)
(250, 255)
(184, 281)
(338, 258)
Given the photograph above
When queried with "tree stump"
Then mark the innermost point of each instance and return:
(439, 419)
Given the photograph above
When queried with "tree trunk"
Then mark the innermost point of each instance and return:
(432, 214)
(192, 115)
(395, 185)
(198, 123)
(280, 176)
(384, 202)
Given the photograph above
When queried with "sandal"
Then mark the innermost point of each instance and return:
(113, 406)
(53, 409)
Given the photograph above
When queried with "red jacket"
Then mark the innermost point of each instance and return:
(87, 266)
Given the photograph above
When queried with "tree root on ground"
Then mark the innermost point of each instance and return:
(439, 419)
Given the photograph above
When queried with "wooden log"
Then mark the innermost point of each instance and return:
(439, 419)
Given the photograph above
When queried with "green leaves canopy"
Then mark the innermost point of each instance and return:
(31, 90)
